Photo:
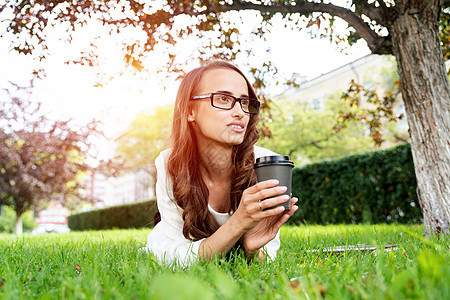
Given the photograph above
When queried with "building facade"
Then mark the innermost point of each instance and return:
(52, 219)
(368, 71)
(128, 188)
(371, 71)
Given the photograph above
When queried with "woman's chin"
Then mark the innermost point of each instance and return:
(231, 139)
(236, 142)
(233, 142)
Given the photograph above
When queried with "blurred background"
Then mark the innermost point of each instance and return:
(114, 99)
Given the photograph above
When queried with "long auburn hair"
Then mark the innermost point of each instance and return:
(189, 189)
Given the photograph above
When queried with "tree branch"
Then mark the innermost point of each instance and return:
(374, 41)
(401, 139)
(315, 144)
(164, 17)
(362, 7)
(312, 143)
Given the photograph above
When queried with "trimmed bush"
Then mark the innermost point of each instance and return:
(375, 187)
(136, 215)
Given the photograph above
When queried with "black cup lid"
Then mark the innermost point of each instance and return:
(275, 159)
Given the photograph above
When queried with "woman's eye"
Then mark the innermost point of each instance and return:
(224, 98)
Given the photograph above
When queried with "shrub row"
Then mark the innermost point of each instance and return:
(135, 215)
(375, 187)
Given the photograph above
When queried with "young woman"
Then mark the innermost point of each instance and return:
(207, 193)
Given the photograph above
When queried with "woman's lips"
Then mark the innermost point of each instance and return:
(236, 128)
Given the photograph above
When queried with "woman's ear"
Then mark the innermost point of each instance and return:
(191, 115)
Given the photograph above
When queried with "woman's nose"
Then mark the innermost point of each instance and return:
(237, 110)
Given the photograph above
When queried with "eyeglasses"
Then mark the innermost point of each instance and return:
(227, 102)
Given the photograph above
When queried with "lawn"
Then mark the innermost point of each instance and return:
(108, 265)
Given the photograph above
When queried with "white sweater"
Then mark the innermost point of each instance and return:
(166, 240)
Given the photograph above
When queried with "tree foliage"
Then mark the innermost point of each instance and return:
(377, 108)
(306, 134)
(375, 103)
(40, 158)
(338, 128)
(218, 32)
(147, 135)
(444, 31)
(169, 21)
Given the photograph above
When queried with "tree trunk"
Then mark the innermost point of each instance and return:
(18, 228)
(426, 94)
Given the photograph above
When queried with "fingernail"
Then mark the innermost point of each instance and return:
(283, 188)
(275, 181)
(285, 197)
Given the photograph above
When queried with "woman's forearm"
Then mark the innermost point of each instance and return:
(221, 241)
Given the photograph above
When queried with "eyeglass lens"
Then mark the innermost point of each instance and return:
(226, 102)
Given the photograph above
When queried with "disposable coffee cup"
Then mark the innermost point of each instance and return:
(276, 167)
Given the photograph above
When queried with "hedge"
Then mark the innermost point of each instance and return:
(135, 215)
(375, 187)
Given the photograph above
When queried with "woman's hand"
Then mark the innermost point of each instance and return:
(259, 226)
(266, 230)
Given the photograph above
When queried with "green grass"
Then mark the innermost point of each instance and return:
(108, 265)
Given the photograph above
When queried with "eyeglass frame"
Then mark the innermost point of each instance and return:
(235, 99)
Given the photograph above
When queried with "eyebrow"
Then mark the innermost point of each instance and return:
(231, 94)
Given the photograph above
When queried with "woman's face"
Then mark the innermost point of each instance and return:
(217, 125)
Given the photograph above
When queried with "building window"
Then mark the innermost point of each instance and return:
(316, 104)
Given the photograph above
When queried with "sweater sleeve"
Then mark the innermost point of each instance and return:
(166, 240)
(271, 248)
